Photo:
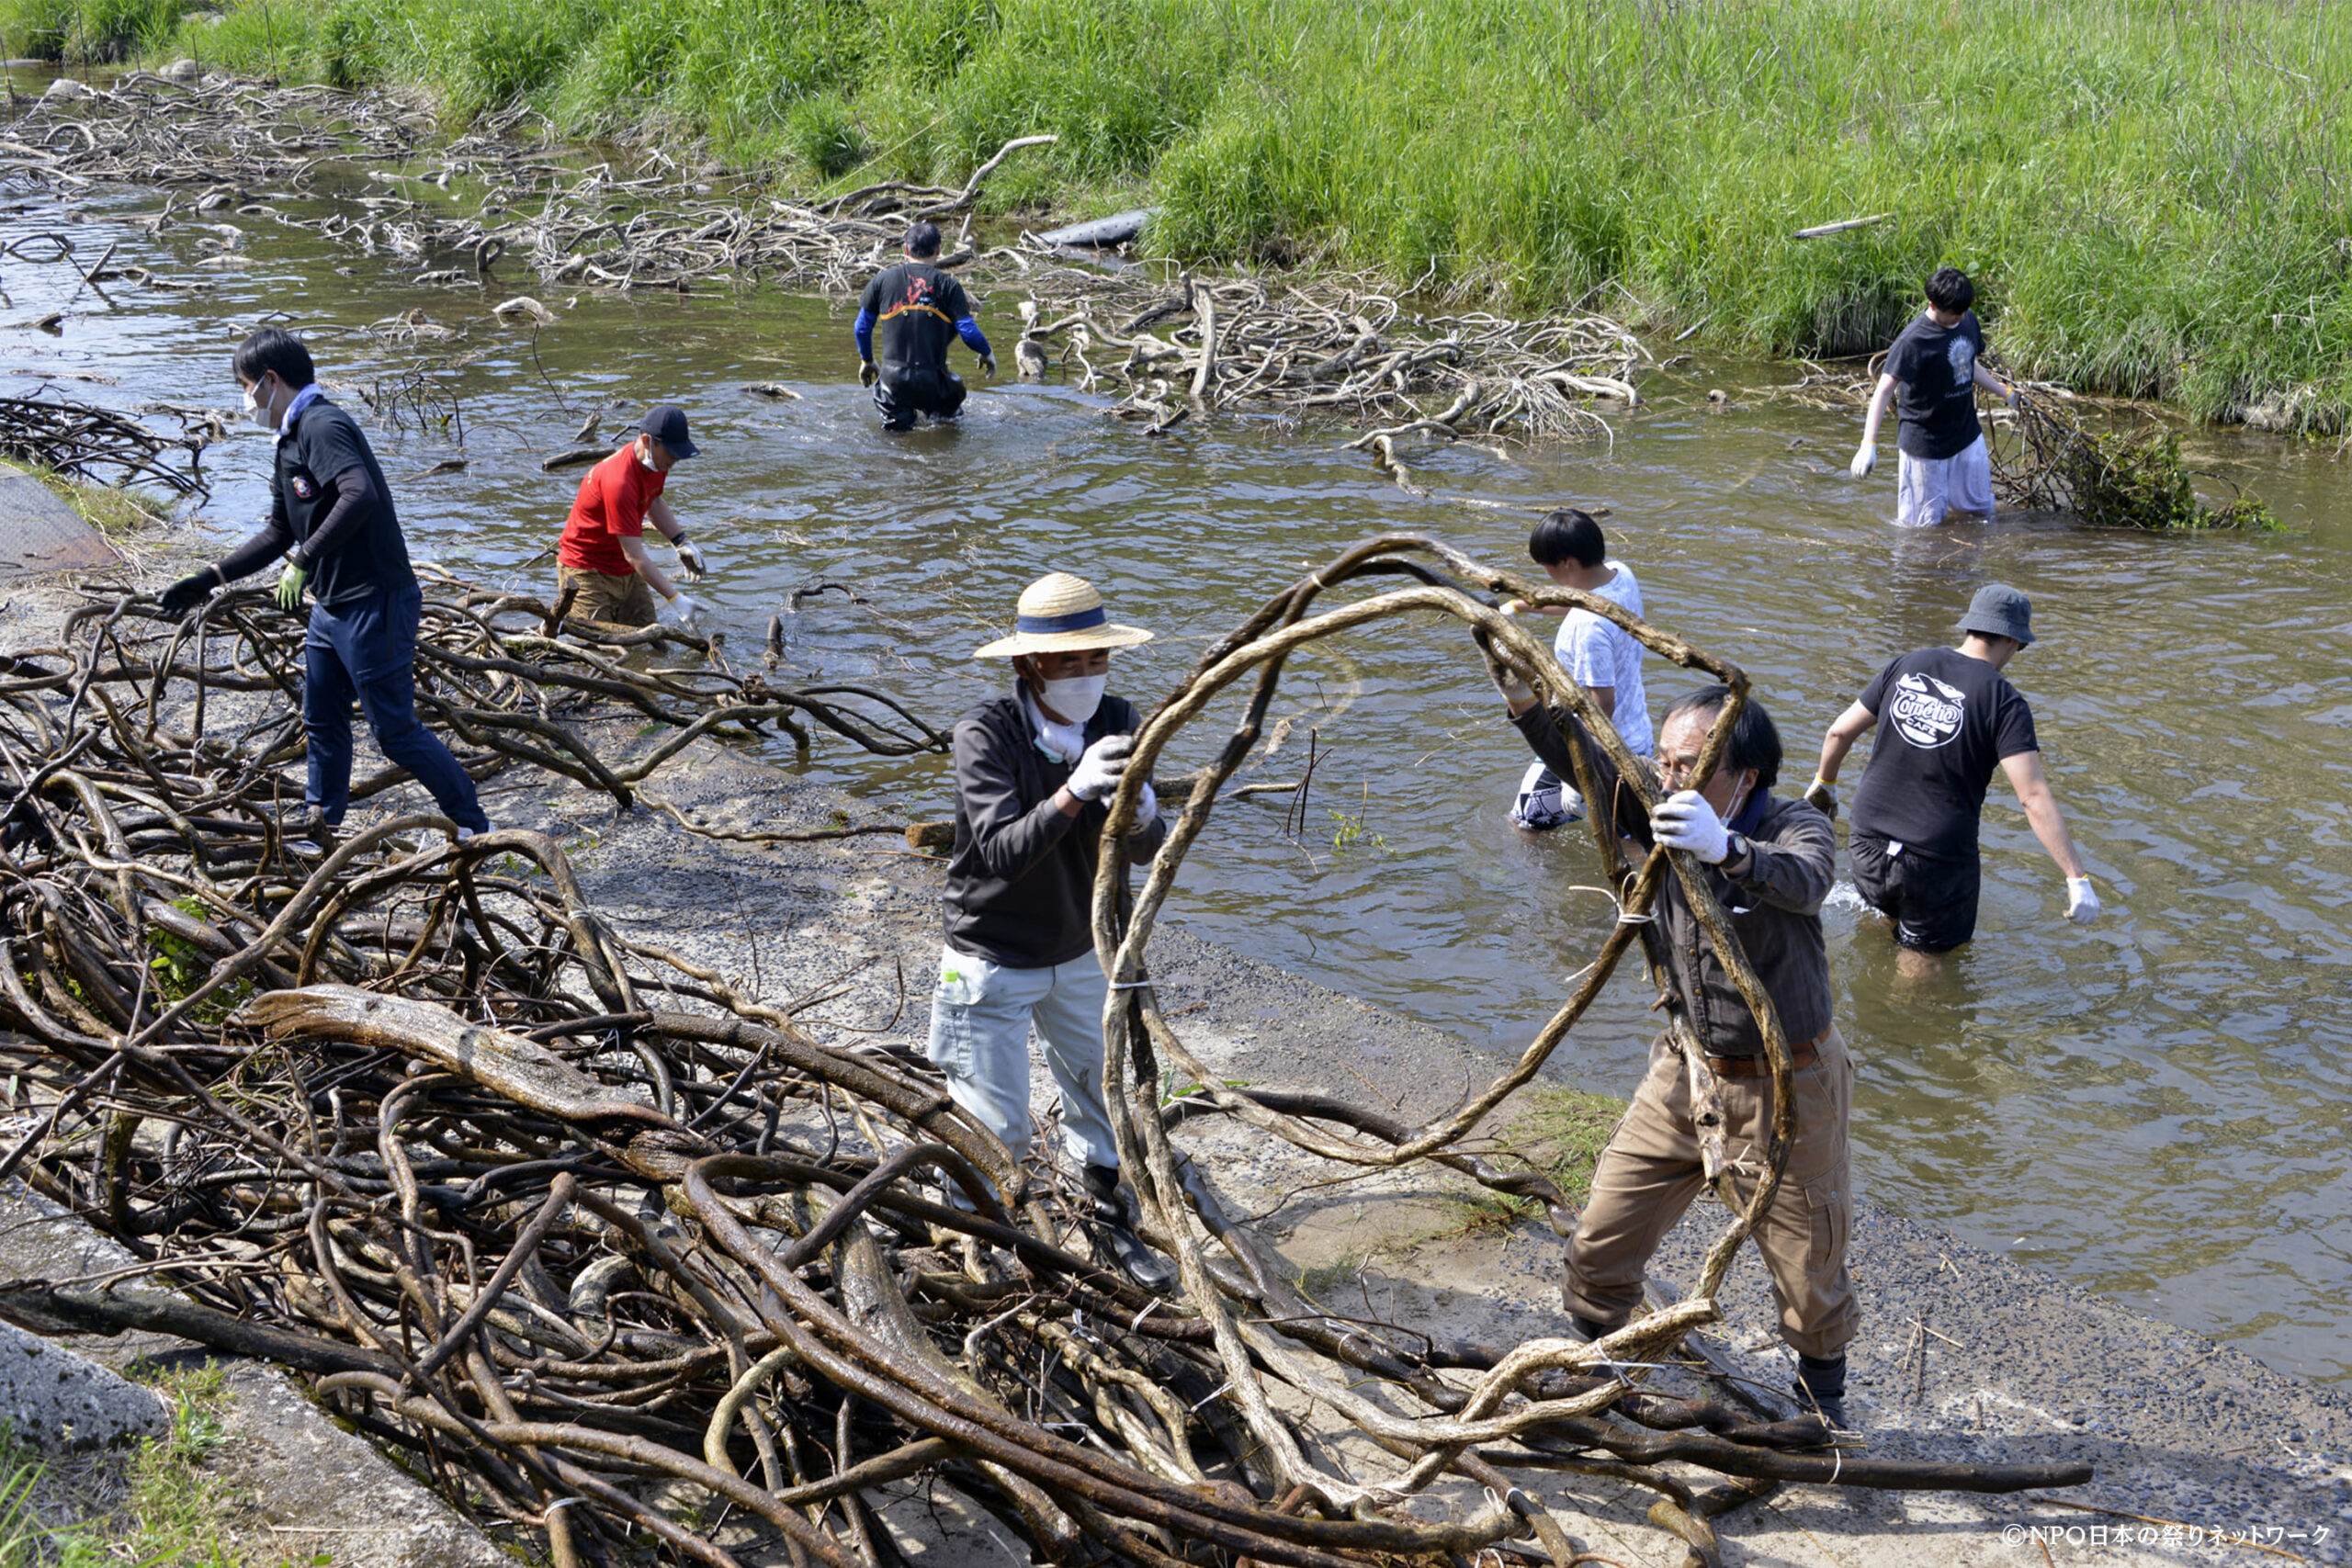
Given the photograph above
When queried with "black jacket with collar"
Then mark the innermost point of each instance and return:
(1774, 903)
(1021, 878)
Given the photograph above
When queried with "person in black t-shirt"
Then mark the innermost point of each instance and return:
(331, 516)
(1950, 717)
(917, 307)
(1937, 364)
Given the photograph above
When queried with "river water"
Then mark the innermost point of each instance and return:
(2154, 1106)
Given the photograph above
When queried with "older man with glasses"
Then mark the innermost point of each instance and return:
(1768, 861)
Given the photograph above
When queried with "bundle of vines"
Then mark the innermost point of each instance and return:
(2053, 461)
(634, 1267)
(1341, 346)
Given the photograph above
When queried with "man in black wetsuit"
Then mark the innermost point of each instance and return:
(331, 516)
(917, 308)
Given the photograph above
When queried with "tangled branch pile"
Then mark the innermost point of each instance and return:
(633, 1264)
(2127, 479)
(1337, 345)
(98, 445)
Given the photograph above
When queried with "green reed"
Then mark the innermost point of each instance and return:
(2151, 194)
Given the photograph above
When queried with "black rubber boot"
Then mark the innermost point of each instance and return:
(1114, 1212)
(1587, 1330)
(1821, 1384)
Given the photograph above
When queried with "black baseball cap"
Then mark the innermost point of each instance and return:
(666, 423)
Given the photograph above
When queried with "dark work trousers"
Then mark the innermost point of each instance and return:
(368, 650)
(903, 392)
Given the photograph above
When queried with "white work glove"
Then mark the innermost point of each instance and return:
(1865, 460)
(690, 561)
(1684, 820)
(1822, 796)
(688, 607)
(1097, 774)
(1506, 678)
(2082, 900)
(1147, 809)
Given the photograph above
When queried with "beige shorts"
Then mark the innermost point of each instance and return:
(623, 601)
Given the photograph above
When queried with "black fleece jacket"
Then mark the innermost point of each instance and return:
(1774, 903)
(1021, 880)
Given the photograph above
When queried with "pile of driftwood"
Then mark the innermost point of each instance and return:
(101, 445)
(634, 1266)
(460, 213)
(2049, 460)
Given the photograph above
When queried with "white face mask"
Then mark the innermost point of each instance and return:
(646, 462)
(1075, 700)
(258, 411)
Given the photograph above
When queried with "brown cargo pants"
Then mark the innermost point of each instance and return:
(616, 600)
(1650, 1172)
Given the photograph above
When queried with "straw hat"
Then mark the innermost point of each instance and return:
(1060, 613)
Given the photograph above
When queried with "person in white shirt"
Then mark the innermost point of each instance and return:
(1598, 655)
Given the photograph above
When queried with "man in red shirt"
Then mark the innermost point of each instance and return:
(602, 551)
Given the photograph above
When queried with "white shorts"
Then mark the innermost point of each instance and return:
(1927, 487)
(1544, 801)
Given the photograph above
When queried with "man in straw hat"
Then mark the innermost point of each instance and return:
(1951, 717)
(1034, 771)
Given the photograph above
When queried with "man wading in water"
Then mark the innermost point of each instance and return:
(601, 554)
(1951, 717)
(1598, 654)
(1769, 863)
(1945, 466)
(1034, 771)
(331, 516)
(918, 308)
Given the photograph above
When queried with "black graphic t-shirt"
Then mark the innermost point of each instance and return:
(1945, 722)
(1936, 368)
(915, 307)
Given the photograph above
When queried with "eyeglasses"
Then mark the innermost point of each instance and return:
(1674, 769)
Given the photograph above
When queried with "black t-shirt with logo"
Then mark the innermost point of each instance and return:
(1945, 722)
(915, 307)
(1936, 368)
(371, 557)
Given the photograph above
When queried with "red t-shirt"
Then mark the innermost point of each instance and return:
(609, 508)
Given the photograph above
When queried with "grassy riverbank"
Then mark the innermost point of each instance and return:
(2153, 196)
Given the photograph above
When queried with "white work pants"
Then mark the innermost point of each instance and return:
(981, 1019)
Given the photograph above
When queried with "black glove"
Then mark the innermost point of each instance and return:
(988, 363)
(189, 591)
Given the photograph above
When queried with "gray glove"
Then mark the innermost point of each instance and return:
(690, 561)
(1098, 772)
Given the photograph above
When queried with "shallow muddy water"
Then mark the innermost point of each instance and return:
(2154, 1106)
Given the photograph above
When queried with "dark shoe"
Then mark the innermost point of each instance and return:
(1114, 1212)
(1821, 1385)
(307, 833)
(1585, 1329)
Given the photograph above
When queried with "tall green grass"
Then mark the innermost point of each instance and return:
(2152, 195)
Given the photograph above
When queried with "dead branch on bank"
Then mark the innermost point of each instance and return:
(632, 1263)
(1341, 346)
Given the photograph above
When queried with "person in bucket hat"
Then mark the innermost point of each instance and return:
(1950, 717)
(1034, 772)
